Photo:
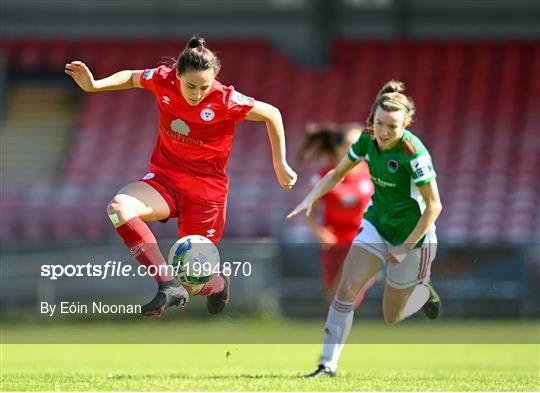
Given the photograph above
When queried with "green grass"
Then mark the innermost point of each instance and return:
(264, 367)
(243, 330)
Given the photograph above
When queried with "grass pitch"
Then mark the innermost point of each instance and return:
(264, 367)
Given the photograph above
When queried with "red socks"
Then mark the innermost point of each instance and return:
(143, 246)
(215, 285)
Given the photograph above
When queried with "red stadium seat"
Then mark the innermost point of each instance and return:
(477, 113)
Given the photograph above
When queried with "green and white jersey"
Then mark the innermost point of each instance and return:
(396, 205)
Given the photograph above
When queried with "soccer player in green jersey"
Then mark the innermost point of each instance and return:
(398, 228)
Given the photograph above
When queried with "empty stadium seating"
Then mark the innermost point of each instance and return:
(477, 113)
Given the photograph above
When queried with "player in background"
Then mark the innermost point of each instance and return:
(398, 229)
(186, 178)
(343, 206)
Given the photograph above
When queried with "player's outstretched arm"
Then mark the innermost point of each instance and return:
(323, 186)
(324, 235)
(82, 75)
(272, 117)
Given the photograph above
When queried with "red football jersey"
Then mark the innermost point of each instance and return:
(345, 204)
(194, 142)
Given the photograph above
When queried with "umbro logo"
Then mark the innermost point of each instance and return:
(136, 250)
(210, 232)
(166, 100)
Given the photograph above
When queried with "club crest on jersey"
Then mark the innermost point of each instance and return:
(208, 114)
(180, 127)
(392, 166)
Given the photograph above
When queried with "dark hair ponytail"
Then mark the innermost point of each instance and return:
(196, 42)
(197, 57)
(321, 140)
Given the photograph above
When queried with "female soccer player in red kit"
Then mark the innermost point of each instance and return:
(187, 178)
(343, 206)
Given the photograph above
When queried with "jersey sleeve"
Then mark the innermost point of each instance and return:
(359, 148)
(148, 78)
(238, 105)
(421, 167)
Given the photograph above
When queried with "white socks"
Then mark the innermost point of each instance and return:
(340, 319)
(418, 297)
(337, 328)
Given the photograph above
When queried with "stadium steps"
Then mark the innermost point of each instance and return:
(36, 134)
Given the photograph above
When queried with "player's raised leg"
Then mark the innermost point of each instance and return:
(359, 268)
(395, 299)
(407, 287)
(399, 304)
(128, 210)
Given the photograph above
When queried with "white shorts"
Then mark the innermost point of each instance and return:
(415, 268)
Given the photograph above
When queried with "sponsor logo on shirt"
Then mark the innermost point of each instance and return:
(207, 114)
(183, 139)
(180, 127)
(179, 131)
(149, 73)
(382, 183)
(392, 166)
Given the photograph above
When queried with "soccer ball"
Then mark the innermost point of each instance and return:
(195, 259)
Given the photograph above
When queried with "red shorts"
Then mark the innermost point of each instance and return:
(194, 218)
(332, 261)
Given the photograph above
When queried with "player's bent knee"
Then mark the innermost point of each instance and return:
(119, 212)
(347, 290)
